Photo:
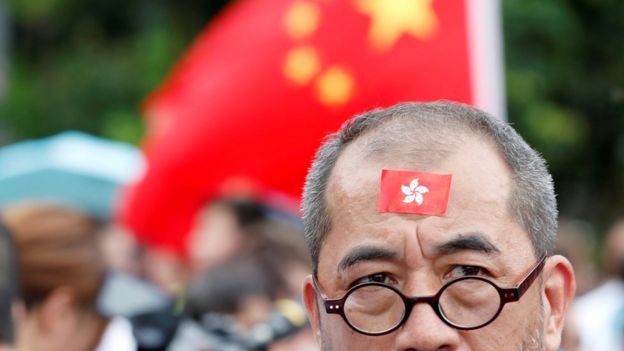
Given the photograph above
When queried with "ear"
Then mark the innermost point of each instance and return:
(558, 291)
(56, 310)
(312, 308)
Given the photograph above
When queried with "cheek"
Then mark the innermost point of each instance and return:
(338, 336)
(488, 338)
(517, 325)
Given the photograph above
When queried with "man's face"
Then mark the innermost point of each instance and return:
(419, 254)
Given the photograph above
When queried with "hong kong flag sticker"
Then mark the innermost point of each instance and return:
(414, 192)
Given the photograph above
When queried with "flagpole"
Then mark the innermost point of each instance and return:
(486, 56)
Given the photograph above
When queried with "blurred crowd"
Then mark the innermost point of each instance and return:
(70, 281)
(596, 319)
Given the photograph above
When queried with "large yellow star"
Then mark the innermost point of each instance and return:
(392, 18)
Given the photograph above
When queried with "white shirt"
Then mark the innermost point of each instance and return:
(117, 336)
(599, 315)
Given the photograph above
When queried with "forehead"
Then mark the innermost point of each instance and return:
(480, 189)
(479, 175)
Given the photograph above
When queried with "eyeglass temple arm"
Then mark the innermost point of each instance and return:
(514, 294)
(331, 306)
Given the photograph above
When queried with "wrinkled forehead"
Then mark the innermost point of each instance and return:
(480, 176)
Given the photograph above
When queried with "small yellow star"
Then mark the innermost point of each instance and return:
(335, 86)
(392, 18)
(302, 64)
(301, 19)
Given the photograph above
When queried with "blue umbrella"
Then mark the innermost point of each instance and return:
(71, 168)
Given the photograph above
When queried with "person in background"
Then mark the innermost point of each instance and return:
(271, 264)
(62, 271)
(217, 235)
(599, 314)
(256, 286)
(8, 288)
(220, 232)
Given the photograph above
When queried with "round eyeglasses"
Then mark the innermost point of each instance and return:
(465, 303)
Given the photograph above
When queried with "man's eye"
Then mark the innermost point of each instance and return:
(375, 278)
(464, 271)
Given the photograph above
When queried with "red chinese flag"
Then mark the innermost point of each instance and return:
(414, 192)
(268, 79)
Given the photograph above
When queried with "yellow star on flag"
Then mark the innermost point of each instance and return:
(335, 86)
(302, 19)
(302, 64)
(393, 18)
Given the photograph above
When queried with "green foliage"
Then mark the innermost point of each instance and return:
(87, 65)
(565, 84)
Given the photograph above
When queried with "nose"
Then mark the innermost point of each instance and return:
(425, 331)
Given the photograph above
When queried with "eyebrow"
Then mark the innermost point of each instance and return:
(468, 242)
(365, 253)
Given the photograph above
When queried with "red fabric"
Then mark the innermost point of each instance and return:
(414, 192)
(228, 108)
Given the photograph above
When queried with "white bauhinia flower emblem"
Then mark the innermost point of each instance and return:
(414, 192)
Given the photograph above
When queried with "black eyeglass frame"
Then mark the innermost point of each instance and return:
(336, 306)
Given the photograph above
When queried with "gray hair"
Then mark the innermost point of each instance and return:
(532, 201)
